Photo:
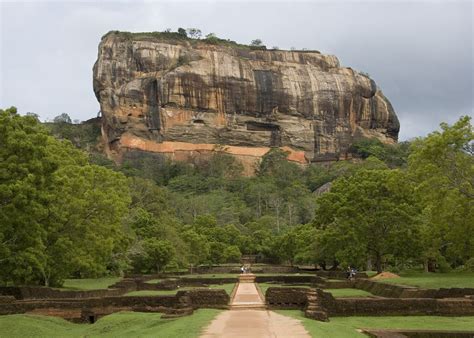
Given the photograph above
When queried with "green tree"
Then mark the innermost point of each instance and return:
(194, 33)
(199, 248)
(216, 252)
(221, 165)
(442, 169)
(276, 166)
(394, 155)
(232, 254)
(182, 32)
(369, 215)
(59, 215)
(212, 39)
(63, 118)
(26, 173)
(84, 223)
(158, 253)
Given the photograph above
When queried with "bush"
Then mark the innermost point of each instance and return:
(469, 265)
(232, 254)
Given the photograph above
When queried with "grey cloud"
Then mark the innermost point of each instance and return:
(419, 53)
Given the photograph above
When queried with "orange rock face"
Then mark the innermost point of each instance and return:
(186, 98)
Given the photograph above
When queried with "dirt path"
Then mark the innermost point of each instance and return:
(247, 296)
(250, 323)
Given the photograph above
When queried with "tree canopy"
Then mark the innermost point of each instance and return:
(65, 212)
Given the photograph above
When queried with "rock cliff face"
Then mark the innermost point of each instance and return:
(187, 98)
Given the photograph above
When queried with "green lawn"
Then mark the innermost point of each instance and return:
(154, 281)
(349, 292)
(227, 287)
(370, 273)
(264, 286)
(287, 274)
(434, 280)
(210, 275)
(90, 283)
(339, 327)
(122, 324)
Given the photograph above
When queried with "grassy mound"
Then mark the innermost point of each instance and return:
(434, 280)
(122, 324)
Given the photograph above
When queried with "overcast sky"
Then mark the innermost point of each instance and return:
(420, 53)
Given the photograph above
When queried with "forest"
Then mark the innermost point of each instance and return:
(66, 211)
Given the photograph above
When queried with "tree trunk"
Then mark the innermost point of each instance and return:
(431, 265)
(45, 278)
(378, 262)
(369, 264)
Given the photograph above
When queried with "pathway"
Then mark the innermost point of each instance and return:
(249, 319)
(247, 297)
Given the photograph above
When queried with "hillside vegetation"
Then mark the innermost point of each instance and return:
(67, 213)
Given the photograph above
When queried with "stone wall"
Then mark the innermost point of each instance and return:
(398, 306)
(217, 298)
(301, 279)
(257, 268)
(286, 297)
(296, 298)
(337, 274)
(337, 284)
(107, 305)
(175, 283)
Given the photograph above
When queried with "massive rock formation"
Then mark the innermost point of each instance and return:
(186, 98)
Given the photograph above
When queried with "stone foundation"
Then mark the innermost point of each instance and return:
(296, 298)
(286, 298)
(80, 309)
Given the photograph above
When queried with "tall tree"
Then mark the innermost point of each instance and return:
(369, 215)
(442, 169)
(26, 173)
(58, 214)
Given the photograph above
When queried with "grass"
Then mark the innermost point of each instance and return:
(349, 292)
(154, 281)
(227, 287)
(370, 273)
(347, 326)
(264, 286)
(287, 274)
(214, 275)
(90, 283)
(434, 280)
(122, 324)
